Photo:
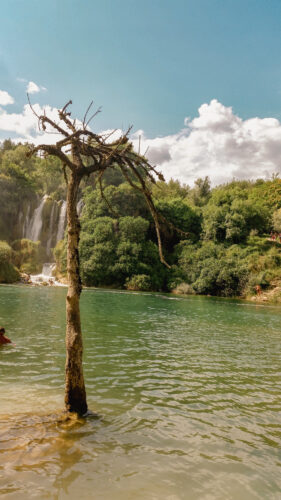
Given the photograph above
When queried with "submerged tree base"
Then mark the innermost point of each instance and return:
(72, 416)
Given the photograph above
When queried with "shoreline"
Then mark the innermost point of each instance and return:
(271, 297)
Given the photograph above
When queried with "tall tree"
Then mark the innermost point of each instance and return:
(83, 153)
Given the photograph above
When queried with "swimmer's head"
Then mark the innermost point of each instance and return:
(2, 330)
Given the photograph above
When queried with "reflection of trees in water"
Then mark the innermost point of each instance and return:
(38, 454)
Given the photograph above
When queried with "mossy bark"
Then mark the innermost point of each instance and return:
(75, 393)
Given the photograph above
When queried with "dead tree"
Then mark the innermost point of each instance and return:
(83, 153)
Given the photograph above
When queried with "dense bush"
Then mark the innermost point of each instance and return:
(8, 272)
(28, 256)
(139, 282)
(112, 251)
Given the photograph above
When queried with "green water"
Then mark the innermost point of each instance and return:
(188, 392)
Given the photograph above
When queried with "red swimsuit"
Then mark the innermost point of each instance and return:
(4, 340)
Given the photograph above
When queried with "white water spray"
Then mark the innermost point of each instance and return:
(62, 219)
(79, 207)
(26, 222)
(46, 276)
(35, 225)
(49, 242)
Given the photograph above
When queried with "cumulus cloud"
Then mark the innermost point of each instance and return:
(216, 143)
(111, 135)
(5, 98)
(219, 144)
(33, 88)
(23, 127)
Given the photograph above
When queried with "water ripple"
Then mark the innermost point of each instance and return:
(189, 394)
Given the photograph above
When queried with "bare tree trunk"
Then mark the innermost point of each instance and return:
(75, 393)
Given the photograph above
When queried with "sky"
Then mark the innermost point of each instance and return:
(199, 80)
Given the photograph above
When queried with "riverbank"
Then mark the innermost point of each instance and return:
(271, 296)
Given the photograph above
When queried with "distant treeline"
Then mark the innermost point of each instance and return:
(227, 250)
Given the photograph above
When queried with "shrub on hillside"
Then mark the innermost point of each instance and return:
(183, 289)
(8, 273)
(139, 282)
(28, 256)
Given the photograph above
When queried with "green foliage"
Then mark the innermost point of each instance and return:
(227, 250)
(201, 193)
(213, 269)
(233, 212)
(112, 251)
(97, 251)
(60, 258)
(27, 256)
(133, 229)
(139, 282)
(276, 219)
(183, 288)
(268, 191)
(169, 190)
(8, 273)
(5, 252)
(122, 200)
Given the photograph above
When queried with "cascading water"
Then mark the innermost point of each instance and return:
(79, 207)
(38, 226)
(26, 222)
(46, 276)
(20, 218)
(35, 225)
(51, 229)
(62, 219)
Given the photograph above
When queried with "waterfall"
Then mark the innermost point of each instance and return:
(35, 225)
(20, 218)
(48, 269)
(26, 222)
(61, 224)
(79, 207)
(46, 276)
(49, 242)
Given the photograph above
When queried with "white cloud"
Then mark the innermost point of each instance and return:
(23, 127)
(32, 88)
(5, 98)
(111, 135)
(219, 144)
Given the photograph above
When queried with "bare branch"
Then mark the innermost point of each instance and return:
(32, 109)
(109, 135)
(87, 111)
(93, 116)
(52, 150)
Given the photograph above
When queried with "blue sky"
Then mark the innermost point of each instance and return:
(150, 63)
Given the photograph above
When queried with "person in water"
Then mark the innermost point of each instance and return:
(3, 338)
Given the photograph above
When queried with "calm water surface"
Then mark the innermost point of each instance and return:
(188, 392)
